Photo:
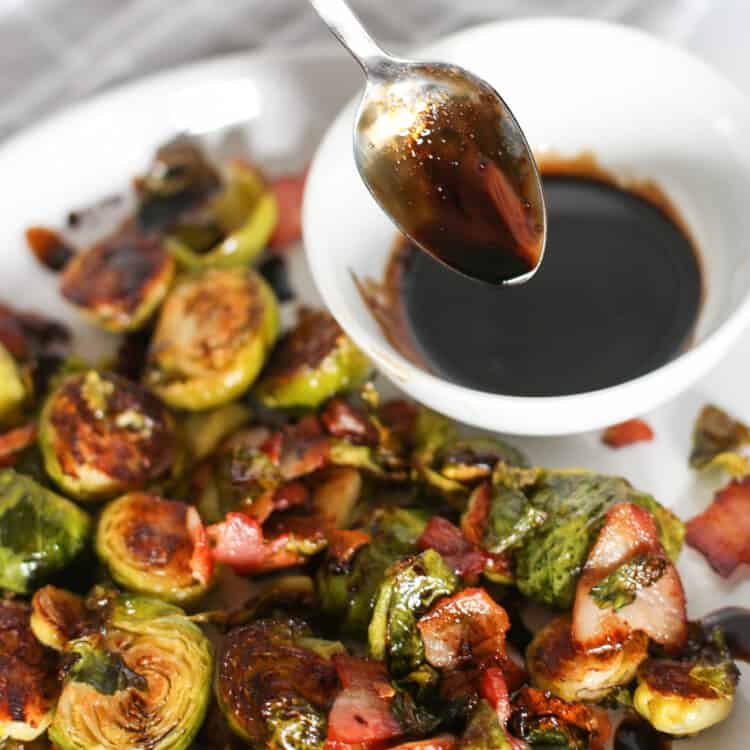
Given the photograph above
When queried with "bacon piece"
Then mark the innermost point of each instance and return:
(344, 421)
(399, 415)
(288, 191)
(494, 690)
(344, 543)
(201, 561)
(49, 247)
(441, 742)
(627, 433)
(361, 713)
(722, 532)
(305, 448)
(468, 627)
(658, 609)
(14, 441)
(466, 559)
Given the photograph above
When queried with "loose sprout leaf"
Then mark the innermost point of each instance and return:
(722, 532)
(620, 587)
(484, 731)
(717, 437)
(105, 671)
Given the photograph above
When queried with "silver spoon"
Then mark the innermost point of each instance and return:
(445, 158)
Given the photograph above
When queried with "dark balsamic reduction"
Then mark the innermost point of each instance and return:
(637, 734)
(735, 624)
(617, 295)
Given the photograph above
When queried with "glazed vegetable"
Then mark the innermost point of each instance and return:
(717, 438)
(213, 334)
(409, 589)
(313, 362)
(234, 226)
(12, 390)
(273, 687)
(58, 616)
(686, 696)
(146, 544)
(40, 532)
(348, 593)
(144, 681)
(28, 685)
(119, 282)
(484, 731)
(556, 663)
(102, 435)
(576, 503)
(204, 431)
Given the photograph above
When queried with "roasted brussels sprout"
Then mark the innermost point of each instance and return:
(409, 589)
(212, 337)
(312, 363)
(556, 663)
(686, 696)
(40, 532)
(273, 689)
(119, 282)
(576, 502)
(348, 592)
(484, 731)
(145, 542)
(12, 389)
(232, 228)
(204, 431)
(28, 684)
(57, 616)
(102, 435)
(141, 681)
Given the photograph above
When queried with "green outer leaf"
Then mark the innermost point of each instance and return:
(511, 519)
(621, 586)
(483, 730)
(294, 724)
(40, 532)
(408, 591)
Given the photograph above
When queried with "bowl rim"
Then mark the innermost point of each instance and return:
(647, 390)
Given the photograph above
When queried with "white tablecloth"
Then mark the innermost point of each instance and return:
(54, 51)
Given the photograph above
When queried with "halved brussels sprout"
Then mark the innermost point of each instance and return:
(40, 532)
(273, 688)
(312, 363)
(141, 682)
(409, 589)
(203, 432)
(28, 684)
(102, 435)
(214, 332)
(119, 282)
(234, 227)
(557, 664)
(145, 543)
(12, 389)
(57, 616)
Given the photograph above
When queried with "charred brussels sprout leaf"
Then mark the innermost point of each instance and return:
(349, 593)
(312, 363)
(212, 337)
(549, 563)
(409, 589)
(145, 543)
(119, 282)
(28, 686)
(716, 439)
(12, 390)
(273, 690)
(510, 520)
(40, 532)
(235, 225)
(102, 435)
(143, 680)
(619, 588)
(474, 459)
(484, 731)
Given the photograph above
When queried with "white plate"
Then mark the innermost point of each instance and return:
(93, 149)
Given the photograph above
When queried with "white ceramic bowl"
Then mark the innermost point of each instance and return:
(646, 110)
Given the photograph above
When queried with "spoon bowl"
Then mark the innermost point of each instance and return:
(445, 158)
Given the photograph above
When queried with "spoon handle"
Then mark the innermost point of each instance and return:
(348, 29)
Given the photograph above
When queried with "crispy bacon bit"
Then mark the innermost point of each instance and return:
(399, 415)
(627, 433)
(272, 446)
(361, 713)
(722, 532)
(288, 191)
(49, 247)
(201, 561)
(343, 421)
(532, 703)
(29, 334)
(474, 521)
(305, 448)
(239, 542)
(441, 742)
(466, 559)
(658, 609)
(344, 543)
(494, 690)
(14, 441)
(468, 627)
